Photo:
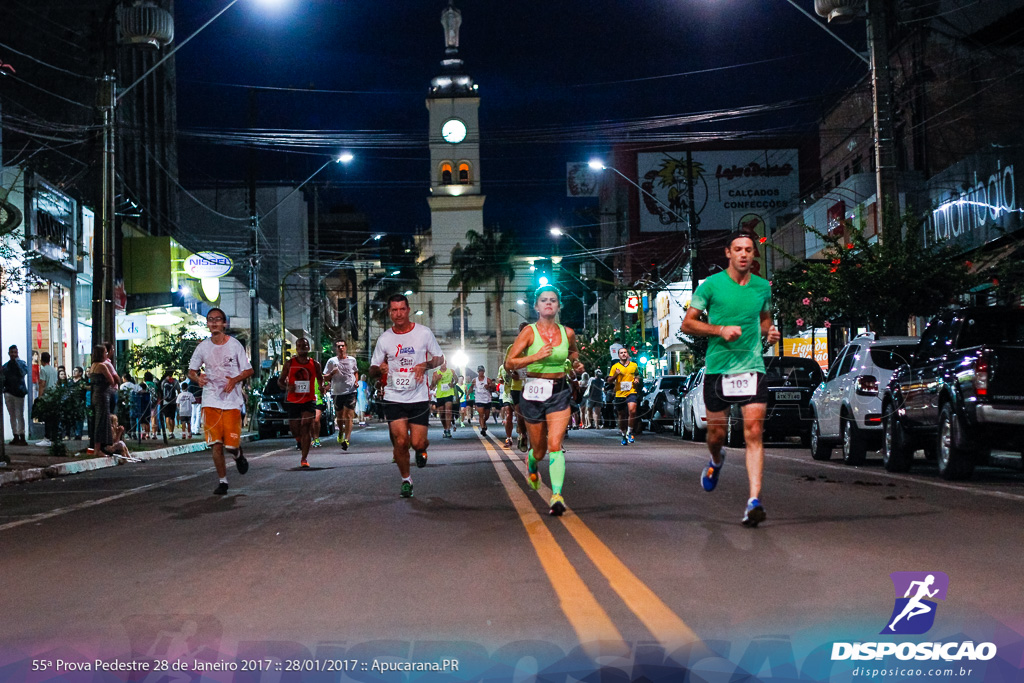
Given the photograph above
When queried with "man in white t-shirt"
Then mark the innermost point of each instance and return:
(482, 387)
(224, 367)
(342, 372)
(403, 355)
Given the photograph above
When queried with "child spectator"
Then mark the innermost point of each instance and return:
(185, 401)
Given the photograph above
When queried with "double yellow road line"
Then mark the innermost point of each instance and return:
(590, 621)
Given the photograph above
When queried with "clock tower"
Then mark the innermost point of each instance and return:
(456, 203)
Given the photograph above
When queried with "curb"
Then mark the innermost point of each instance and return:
(66, 468)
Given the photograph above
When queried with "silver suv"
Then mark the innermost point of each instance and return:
(846, 408)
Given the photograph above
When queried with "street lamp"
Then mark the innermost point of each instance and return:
(690, 220)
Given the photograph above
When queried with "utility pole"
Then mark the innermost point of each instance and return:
(314, 278)
(881, 88)
(254, 264)
(691, 221)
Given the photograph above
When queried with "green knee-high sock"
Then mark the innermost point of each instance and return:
(531, 462)
(556, 468)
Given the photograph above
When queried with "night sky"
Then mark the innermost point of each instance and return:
(543, 69)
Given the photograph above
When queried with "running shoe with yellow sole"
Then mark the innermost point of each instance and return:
(557, 505)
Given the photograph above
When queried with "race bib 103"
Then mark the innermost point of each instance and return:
(739, 385)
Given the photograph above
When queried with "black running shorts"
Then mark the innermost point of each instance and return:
(345, 401)
(296, 411)
(417, 413)
(715, 402)
(536, 411)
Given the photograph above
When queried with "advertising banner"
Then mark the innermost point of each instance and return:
(581, 180)
(808, 348)
(735, 189)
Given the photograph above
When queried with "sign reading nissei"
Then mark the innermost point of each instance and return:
(208, 264)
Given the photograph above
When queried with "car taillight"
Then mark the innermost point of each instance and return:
(867, 385)
(981, 368)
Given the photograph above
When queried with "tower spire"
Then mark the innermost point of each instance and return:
(453, 80)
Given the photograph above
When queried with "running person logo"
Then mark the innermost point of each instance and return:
(914, 610)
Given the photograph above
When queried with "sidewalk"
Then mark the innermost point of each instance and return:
(31, 463)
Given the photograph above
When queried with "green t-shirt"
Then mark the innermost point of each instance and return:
(728, 303)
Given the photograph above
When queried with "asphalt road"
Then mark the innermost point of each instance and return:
(141, 562)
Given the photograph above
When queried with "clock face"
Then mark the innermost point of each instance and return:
(453, 131)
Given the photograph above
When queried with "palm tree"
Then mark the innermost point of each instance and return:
(495, 251)
(467, 273)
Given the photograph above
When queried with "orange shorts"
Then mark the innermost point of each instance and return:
(222, 426)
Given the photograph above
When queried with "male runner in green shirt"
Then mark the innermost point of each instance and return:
(738, 307)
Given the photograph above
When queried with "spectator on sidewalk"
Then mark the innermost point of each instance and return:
(196, 390)
(81, 389)
(47, 381)
(169, 391)
(15, 389)
(185, 401)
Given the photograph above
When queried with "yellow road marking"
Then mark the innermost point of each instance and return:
(664, 624)
(587, 617)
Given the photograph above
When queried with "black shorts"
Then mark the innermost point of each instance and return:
(483, 405)
(536, 411)
(417, 413)
(715, 402)
(445, 399)
(169, 411)
(344, 401)
(296, 411)
(517, 395)
(622, 404)
(470, 403)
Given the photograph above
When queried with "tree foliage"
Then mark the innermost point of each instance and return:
(879, 284)
(168, 352)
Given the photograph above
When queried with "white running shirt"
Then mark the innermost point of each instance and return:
(345, 381)
(402, 352)
(221, 362)
(480, 390)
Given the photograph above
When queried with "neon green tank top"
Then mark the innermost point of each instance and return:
(559, 354)
(445, 384)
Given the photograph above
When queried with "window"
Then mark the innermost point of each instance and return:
(834, 370)
(446, 173)
(464, 173)
(848, 360)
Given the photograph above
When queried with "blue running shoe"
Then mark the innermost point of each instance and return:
(629, 438)
(754, 514)
(709, 477)
(624, 442)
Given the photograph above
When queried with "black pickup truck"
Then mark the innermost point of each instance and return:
(960, 395)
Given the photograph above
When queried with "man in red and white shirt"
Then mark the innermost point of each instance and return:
(404, 354)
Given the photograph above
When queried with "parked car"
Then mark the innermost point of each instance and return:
(272, 415)
(846, 408)
(790, 382)
(677, 427)
(695, 415)
(960, 395)
(661, 402)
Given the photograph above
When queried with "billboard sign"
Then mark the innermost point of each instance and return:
(732, 189)
(208, 264)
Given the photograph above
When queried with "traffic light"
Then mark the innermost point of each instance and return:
(542, 272)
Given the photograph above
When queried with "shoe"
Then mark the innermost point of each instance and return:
(344, 445)
(406, 489)
(341, 437)
(316, 443)
(754, 513)
(483, 430)
(45, 443)
(557, 505)
(709, 477)
(304, 464)
(624, 442)
(523, 445)
(297, 446)
(221, 489)
(421, 459)
(508, 442)
(629, 438)
(241, 464)
(532, 475)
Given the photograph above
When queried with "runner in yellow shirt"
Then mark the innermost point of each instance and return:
(625, 376)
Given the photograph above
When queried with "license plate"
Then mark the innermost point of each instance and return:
(788, 396)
